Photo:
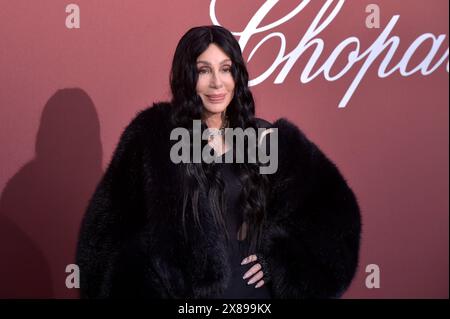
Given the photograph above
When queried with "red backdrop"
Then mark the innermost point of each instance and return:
(66, 95)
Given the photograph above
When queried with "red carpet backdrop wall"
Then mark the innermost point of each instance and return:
(365, 80)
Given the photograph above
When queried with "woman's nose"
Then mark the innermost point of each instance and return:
(216, 81)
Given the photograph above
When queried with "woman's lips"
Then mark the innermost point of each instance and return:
(216, 98)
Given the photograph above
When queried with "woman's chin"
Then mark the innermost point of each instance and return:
(216, 107)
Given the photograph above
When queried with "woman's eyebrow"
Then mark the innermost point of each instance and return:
(206, 62)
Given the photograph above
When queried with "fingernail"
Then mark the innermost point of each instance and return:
(244, 261)
(251, 281)
(245, 276)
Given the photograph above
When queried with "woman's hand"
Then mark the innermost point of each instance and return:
(255, 271)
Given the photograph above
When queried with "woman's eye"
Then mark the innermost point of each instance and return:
(204, 71)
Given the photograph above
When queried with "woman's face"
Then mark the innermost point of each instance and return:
(215, 83)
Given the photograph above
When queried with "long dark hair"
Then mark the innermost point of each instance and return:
(188, 106)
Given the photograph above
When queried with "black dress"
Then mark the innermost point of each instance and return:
(237, 287)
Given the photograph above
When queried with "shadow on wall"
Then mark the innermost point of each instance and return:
(43, 203)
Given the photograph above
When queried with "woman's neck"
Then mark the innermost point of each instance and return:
(214, 120)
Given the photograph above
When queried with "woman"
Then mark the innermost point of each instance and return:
(159, 229)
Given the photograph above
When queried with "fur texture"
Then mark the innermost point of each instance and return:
(131, 245)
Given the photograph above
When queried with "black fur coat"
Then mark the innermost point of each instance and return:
(130, 238)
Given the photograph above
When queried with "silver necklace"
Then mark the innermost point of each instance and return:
(220, 131)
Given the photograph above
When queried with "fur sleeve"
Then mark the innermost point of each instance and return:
(313, 234)
(111, 215)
